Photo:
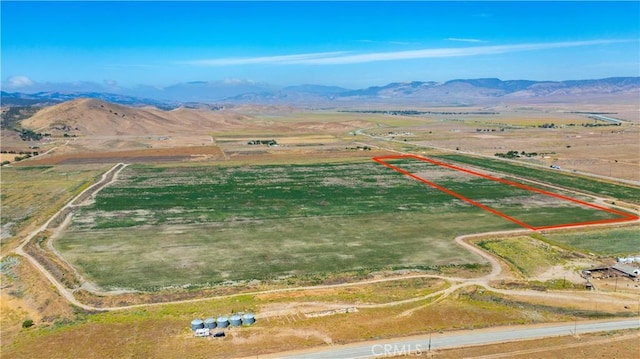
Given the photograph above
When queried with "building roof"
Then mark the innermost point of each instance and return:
(630, 271)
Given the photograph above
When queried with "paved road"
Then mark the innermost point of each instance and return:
(420, 345)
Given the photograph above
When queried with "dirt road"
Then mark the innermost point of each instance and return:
(107, 178)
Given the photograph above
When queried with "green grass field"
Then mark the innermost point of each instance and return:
(589, 185)
(197, 226)
(532, 208)
(607, 242)
(150, 258)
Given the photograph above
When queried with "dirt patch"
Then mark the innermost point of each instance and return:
(569, 271)
(438, 174)
(238, 338)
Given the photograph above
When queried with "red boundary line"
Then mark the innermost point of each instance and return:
(625, 216)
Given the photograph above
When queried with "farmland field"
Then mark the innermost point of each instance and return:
(161, 226)
(518, 202)
(602, 188)
(612, 241)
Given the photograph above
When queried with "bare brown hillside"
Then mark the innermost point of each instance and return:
(95, 117)
(90, 117)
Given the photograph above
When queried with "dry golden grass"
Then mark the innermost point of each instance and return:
(7, 157)
(113, 119)
(607, 151)
(164, 331)
(31, 195)
(28, 296)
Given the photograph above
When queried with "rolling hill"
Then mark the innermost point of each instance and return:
(455, 92)
(90, 116)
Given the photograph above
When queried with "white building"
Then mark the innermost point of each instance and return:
(628, 260)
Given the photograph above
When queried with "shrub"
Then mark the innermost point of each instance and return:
(27, 323)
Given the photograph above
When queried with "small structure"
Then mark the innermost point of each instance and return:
(222, 322)
(210, 323)
(248, 319)
(208, 326)
(197, 324)
(589, 286)
(202, 332)
(235, 320)
(625, 269)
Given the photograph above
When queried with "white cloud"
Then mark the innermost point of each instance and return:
(464, 40)
(235, 81)
(284, 59)
(448, 52)
(342, 58)
(19, 81)
(401, 43)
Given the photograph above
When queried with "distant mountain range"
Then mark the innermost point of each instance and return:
(454, 92)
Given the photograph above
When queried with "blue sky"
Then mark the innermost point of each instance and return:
(349, 44)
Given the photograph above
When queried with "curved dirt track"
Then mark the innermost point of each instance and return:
(108, 177)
